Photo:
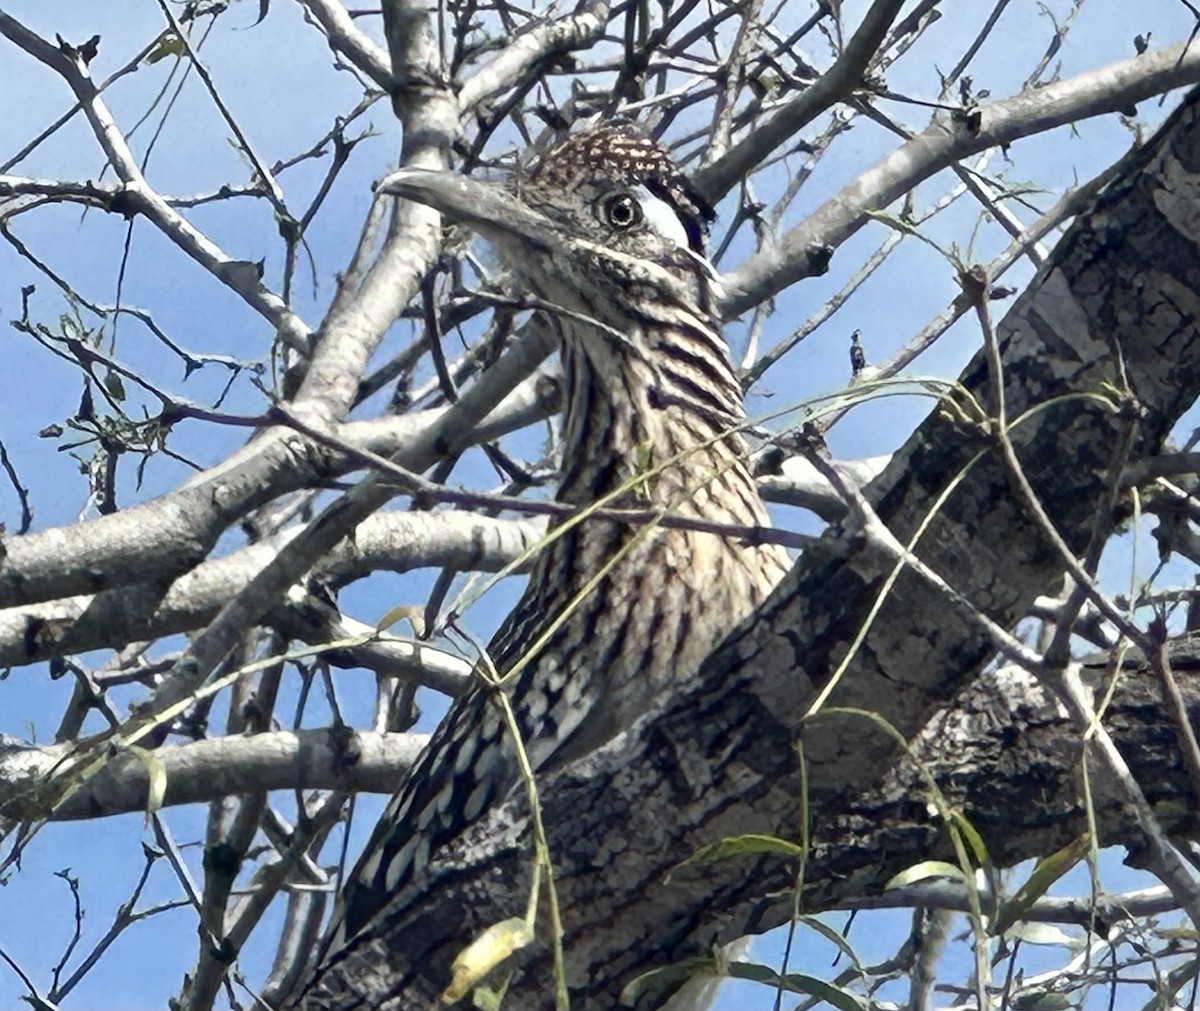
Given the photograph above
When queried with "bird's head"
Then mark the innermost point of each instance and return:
(604, 217)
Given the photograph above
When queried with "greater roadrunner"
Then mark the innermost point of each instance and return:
(609, 236)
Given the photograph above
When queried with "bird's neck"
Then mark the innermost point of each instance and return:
(662, 435)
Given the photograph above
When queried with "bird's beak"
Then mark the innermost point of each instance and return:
(490, 209)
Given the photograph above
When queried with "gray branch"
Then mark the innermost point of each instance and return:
(804, 251)
(208, 770)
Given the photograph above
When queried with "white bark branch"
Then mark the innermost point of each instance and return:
(392, 541)
(158, 540)
(529, 49)
(345, 39)
(805, 249)
(208, 770)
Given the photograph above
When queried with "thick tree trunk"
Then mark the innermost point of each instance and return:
(1114, 309)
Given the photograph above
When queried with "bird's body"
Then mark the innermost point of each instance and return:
(615, 614)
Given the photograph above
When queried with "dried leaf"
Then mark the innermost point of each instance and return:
(482, 955)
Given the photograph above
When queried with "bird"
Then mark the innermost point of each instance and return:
(607, 236)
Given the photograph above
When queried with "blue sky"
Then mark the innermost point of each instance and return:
(277, 80)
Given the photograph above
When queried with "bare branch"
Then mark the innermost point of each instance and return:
(212, 769)
(346, 40)
(139, 196)
(528, 51)
(805, 249)
(835, 85)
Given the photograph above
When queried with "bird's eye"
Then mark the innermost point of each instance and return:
(622, 211)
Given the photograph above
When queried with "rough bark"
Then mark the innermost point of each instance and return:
(1113, 308)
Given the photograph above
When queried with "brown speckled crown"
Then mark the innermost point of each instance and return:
(628, 160)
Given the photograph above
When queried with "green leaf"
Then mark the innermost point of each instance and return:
(114, 385)
(924, 871)
(709, 965)
(834, 938)
(156, 774)
(667, 975)
(1048, 870)
(742, 845)
(973, 839)
(169, 44)
(414, 615)
(1047, 1001)
(795, 982)
(1043, 934)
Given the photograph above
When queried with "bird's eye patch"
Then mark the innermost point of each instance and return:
(628, 209)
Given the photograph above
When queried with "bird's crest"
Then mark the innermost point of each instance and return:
(624, 158)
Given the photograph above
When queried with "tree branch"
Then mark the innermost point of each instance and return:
(804, 250)
(209, 770)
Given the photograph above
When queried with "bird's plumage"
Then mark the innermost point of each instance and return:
(610, 233)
